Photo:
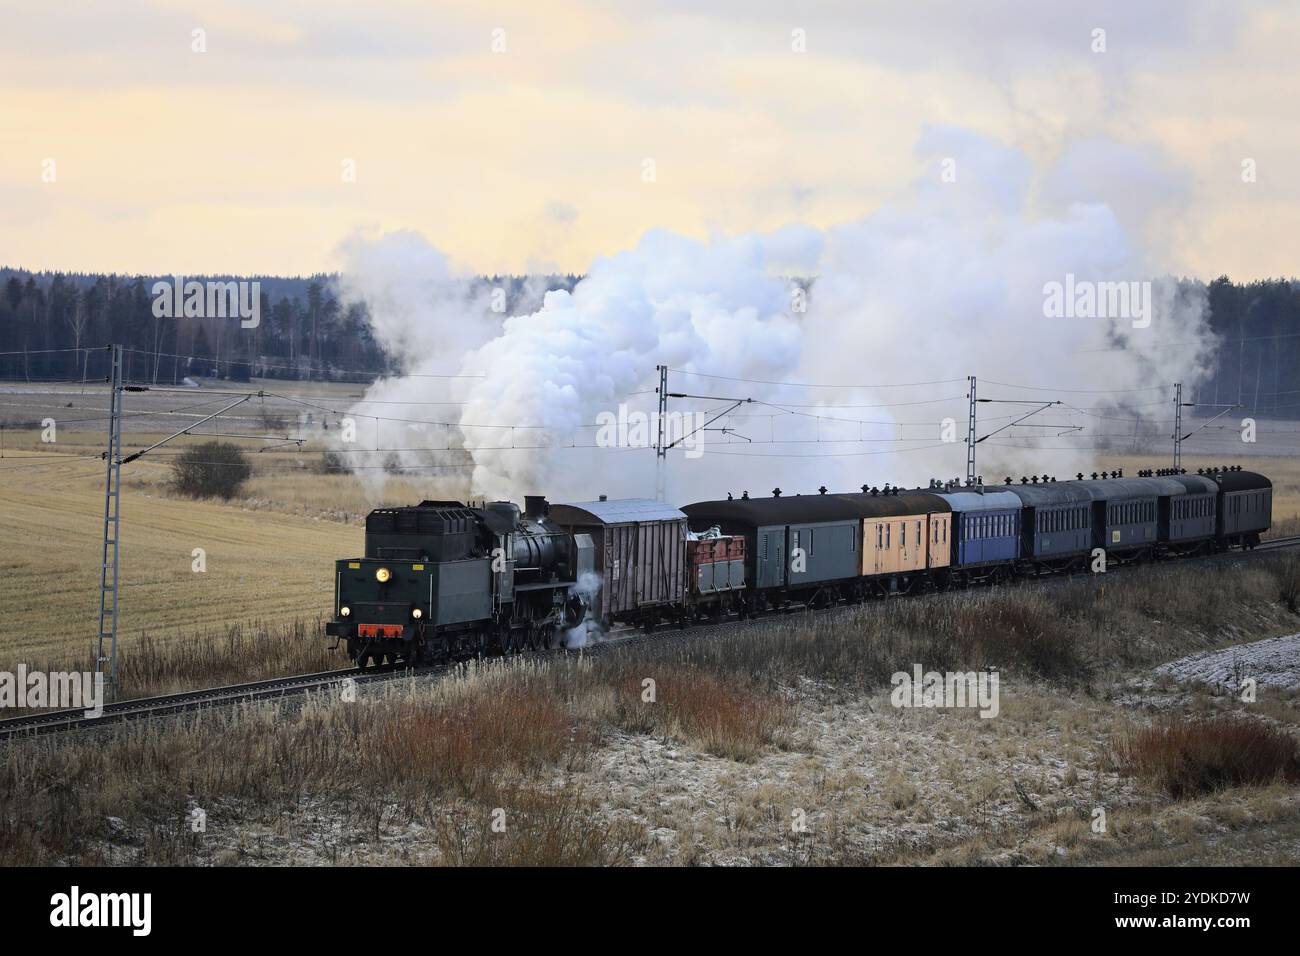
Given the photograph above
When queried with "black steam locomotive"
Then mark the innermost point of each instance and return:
(441, 581)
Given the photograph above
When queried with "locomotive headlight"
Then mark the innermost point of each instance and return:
(417, 614)
(382, 575)
(344, 611)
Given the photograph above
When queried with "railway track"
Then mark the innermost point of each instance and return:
(283, 687)
(60, 720)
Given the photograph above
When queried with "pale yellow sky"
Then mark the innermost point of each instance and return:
(231, 160)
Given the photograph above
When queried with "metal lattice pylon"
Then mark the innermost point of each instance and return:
(970, 436)
(1178, 426)
(106, 647)
(661, 450)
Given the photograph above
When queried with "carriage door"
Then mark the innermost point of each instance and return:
(771, 557)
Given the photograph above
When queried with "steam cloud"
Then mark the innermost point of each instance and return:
(945, 282)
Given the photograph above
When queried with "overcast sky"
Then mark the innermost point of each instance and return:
(537, 156)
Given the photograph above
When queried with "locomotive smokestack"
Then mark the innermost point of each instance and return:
(535, 507)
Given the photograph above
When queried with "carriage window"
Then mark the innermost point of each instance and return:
(853, 541)
(879, 537)
(918, 534)
(887, 536)
(794, 543)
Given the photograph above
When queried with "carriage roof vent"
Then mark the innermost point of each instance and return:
(821, 490)
(776, 492)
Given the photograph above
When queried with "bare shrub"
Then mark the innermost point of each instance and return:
(1187, 758)
(210, 470)
(1286, 571)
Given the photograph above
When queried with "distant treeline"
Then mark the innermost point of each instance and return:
(55, 326)
(1258, 363)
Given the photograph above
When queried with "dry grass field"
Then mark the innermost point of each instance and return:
(261, 566)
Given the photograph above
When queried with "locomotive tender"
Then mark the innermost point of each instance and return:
(441, 580)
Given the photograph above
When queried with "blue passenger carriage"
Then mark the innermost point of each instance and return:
(1056, 525)
(986, 533)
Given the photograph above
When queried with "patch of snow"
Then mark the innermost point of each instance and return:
(1274, 662)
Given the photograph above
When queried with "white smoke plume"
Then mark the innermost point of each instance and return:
(589, 630)
(903, 304)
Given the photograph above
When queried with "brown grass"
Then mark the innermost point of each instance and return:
(1187, 758)
(235, 654)
(720, 716)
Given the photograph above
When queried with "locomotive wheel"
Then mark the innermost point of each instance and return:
(505, 640)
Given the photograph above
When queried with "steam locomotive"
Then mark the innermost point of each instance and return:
(442, 581)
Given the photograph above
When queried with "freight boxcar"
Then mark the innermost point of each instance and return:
(640, 557)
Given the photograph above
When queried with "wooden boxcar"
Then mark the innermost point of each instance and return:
(640, 556)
